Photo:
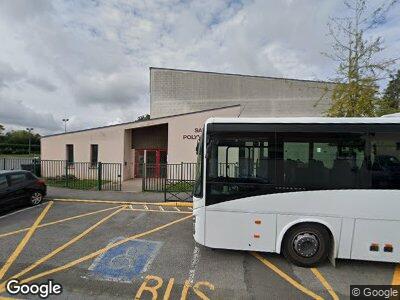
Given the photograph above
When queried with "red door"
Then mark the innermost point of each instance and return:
(155, 159)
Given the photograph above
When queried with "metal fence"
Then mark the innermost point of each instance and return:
(175, 180)
(76, 175)
(153, 177)
(17, 163)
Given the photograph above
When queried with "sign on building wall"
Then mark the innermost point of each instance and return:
(194, 135)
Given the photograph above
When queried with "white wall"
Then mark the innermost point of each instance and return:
(115, 141)
(182, 135)
(109, 139)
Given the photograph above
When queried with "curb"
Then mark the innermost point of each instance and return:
(177, 204)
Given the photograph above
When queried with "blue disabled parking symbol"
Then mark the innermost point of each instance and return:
(125, 262)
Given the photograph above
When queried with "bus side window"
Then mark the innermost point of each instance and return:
(238, 168)
(385, 159)
(323, 160)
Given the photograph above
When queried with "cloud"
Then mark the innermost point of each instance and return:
(23, 10)
(109, 90)
(42, 84)
(8, 75)
(15, 112)
(89, 60)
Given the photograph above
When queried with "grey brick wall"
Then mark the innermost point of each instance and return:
(176, 91)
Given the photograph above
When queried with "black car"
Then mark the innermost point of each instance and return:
(20, 187)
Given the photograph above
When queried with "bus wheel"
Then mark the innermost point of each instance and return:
(306, 245)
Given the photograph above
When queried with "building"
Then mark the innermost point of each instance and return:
(180, 91)
(180, 103)
(160, 140)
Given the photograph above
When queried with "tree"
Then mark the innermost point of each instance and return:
(143, 118)
(359, 66)
(21, 137)
(17, 141)
(390, 102)
(343, 96)
(1, 133)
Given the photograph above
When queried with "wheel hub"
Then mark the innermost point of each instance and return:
(306, 244)
(36, 198)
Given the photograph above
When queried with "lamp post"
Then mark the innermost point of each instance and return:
(65, 124)
(29, 129)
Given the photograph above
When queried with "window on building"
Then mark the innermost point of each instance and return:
(94, 155)
(70, 154)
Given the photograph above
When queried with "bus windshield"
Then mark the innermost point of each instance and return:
(198, 186)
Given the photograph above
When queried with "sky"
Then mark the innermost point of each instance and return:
(89, 60)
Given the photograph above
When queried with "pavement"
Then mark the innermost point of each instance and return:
(102, 250)
(64, 193)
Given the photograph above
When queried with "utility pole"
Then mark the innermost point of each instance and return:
(65, 124)
(29, 129)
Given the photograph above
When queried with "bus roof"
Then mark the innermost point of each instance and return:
(308, 120)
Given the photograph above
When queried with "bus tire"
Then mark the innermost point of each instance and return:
(307, 245)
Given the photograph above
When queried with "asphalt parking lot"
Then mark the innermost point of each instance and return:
(98, 250)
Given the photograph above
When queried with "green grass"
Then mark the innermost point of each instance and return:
(180, 187)
(79, 184)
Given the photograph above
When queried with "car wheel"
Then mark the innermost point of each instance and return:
(307, 245)
(36, 198)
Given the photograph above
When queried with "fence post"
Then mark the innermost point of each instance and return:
(34, 167)
(120, 177)
(145, 176)
(99, 176)
(165, 189)
(66, 174)
(4, 161)
(180, 179)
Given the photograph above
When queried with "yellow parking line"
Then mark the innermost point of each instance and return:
(181, 204)
(396, 275)
(325, 283)
(62, 247)
(24, 241)
(286, 277)
(101, 251)
(159, 211)
(59, 221)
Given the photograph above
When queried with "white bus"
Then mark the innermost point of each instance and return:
(310, 188)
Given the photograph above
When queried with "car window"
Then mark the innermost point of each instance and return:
(30, 176)
(17, 178)
(3, 182)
